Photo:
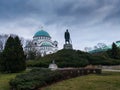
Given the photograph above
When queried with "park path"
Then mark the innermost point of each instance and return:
(111, 70)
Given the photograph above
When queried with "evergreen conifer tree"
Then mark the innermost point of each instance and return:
(20, 57)
(12, 57)
(115, 52)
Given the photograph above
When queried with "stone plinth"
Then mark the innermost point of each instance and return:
(68, 46)
(53, 66)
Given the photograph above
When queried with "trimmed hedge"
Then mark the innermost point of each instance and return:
(34, 79)
(37, 78)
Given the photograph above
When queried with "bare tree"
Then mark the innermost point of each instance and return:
(3, 39)
(87, 49)
(101, 45)
(1, 45)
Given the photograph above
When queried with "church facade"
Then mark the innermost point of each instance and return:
(42, 43)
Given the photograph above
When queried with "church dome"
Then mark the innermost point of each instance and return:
(41, 33)
(48, 44)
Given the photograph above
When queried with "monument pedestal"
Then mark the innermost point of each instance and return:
(53, 66)
(68, 46)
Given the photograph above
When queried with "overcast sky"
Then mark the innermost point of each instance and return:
(88, 21)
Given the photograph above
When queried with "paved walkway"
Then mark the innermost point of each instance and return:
(111, 70)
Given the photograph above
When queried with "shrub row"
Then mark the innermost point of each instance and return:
(72, 58)
(37, 78)
(69, 73)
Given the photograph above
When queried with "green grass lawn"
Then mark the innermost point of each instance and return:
(4, 79)
(105, 81)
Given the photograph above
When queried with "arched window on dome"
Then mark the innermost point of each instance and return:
(35, 43)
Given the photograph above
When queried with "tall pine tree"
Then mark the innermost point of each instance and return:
(20, 57)
(7, 56)
(12, 57)
(115, 52)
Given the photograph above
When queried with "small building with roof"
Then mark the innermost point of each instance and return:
(105, 48)
(42, 43)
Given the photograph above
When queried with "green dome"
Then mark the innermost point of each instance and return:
(41, 33)
(46, 44)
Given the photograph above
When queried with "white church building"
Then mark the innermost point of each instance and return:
(42, 43)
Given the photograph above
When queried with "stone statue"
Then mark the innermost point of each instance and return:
(67, 37)
(68, 42)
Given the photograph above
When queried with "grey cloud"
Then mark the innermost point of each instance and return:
(84, 17)
(53, 11)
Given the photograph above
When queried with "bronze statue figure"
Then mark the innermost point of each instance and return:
(68, 42)
(67, 37)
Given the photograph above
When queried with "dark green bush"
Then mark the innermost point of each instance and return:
(63, 58)
(98, 71)
(34, 79)
(37, 78)
(73, 58)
